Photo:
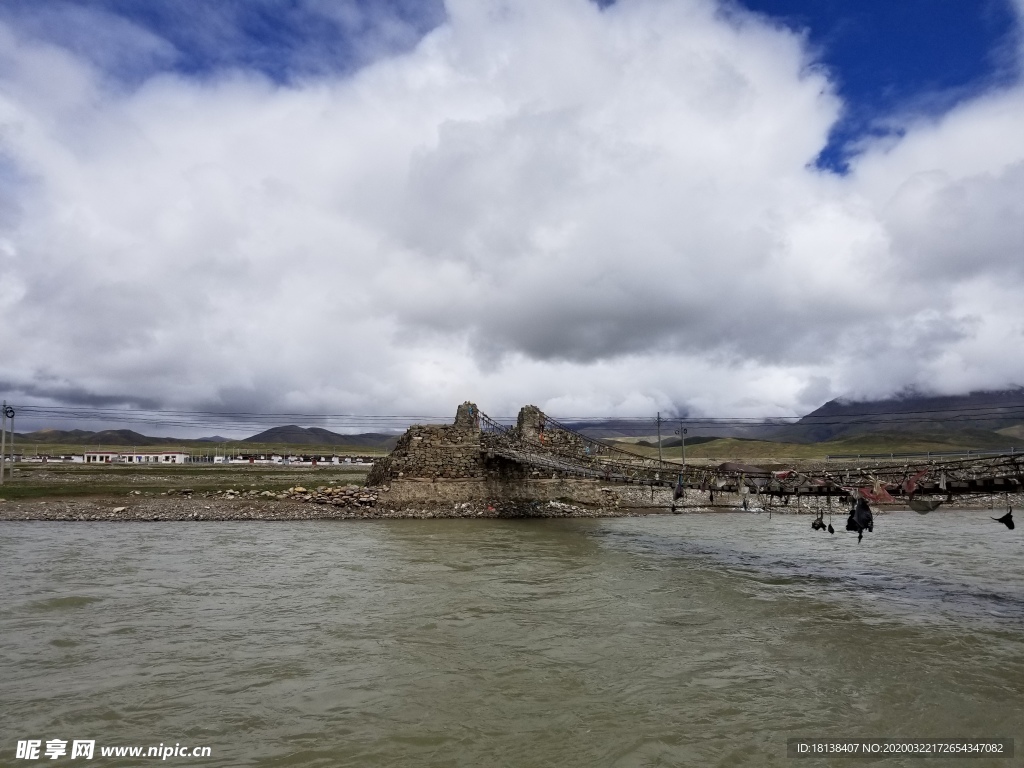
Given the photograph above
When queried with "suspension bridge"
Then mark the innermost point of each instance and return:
(540, 445)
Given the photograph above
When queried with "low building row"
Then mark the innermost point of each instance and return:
(180, 457)
(137, 457)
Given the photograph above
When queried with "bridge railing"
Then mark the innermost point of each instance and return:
(633, 463)
(921, 454)
(580, 454)
(586, 456)
(491, 428)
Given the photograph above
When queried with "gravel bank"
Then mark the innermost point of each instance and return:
(206, 509)
(220, 507)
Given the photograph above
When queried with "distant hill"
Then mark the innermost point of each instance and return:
(675, 442)
(611, 428)
(296, 435)
(292, 434)
(928, 440)
(977, 412)
(978, 418)
(84, 437)
(615, 429)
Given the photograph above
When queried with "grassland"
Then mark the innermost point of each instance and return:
(867, 443)
(56, 480)
(59, 480)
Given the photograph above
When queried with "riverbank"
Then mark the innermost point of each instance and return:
(254, 492)
(165, 509)
(219, 508)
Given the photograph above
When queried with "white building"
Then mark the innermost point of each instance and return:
(101, 457)
(136, 457)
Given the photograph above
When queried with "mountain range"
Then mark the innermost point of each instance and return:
(995, 411)
(991, 417)
(291, 435)
(295, 435)
(85, 437)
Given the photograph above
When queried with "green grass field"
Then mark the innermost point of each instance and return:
(870, 443)
(55, 480)
(52, 480)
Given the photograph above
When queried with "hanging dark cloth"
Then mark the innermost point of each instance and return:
(1006, 519)
(860, 519)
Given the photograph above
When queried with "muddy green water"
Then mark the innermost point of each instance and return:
(656, 641)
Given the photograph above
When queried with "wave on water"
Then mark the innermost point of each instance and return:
(63, 603)
(939, 571)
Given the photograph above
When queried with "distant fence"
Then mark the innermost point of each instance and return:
(919, 454)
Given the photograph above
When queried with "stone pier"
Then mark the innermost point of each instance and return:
(445, 464)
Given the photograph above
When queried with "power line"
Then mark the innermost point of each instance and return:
(376, 417)
(252, 419)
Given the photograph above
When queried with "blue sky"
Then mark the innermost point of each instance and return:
(889, 57)
(720, 208)
(886, 58)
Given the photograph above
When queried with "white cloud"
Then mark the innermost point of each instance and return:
(597, 211)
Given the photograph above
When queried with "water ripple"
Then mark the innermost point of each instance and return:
(669, 640)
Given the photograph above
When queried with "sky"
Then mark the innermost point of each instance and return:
(704, 207)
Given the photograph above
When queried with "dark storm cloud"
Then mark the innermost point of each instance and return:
(72, 395)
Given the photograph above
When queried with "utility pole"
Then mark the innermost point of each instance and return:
(661, 460)
(682, 438)
(3, 441)
(682, 471)
(7, 413)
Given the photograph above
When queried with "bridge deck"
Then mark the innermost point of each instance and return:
(586, 457)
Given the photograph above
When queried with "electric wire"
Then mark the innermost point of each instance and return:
(237, 419)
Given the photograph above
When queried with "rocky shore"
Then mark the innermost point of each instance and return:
(224, 507)
(354, 502)
(185, 508)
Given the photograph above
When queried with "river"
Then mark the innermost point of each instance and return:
(646, 641)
